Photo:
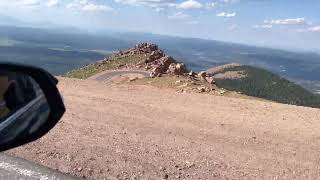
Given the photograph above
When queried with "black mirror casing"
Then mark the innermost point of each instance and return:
(47, 83)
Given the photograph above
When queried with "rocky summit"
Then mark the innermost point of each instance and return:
(146, 57)
(155, 60)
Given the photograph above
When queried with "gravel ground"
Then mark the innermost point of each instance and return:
(140, 132)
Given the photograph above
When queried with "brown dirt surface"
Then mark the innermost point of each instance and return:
(231, 75)
(141, 132)
(219, 69)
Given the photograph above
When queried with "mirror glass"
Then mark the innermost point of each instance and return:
(23, 107)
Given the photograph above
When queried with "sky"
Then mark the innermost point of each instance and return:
(288, 24)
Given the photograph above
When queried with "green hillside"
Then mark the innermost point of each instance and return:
(264, 84)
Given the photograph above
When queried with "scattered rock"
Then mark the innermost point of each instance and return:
(191, 73)
(210, 80)
(202, 75)
(181, 68)
(154, 56)
(178, 82)
(156, 71)
(90, 171)
(177, 69)
(147, 67)
(202, 89)
(133, 79)
(182, 91)
(190, 164)
(184, 85)
(166, 61)
(222, 92)
(166, 176)
(172, 68)
(162, 168)
(120, 65)
(69, 157)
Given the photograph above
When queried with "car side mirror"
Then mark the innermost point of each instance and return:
(30, 104)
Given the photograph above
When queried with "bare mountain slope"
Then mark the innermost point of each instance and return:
(140, 132)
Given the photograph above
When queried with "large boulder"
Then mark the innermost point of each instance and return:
(202, 75)
(156, 71)
(172, 68)
(145, 48)
(155, 55)
(152, 47)
(161, 66)
(210, 80)
(166, 61)
(181, 68)
(177, 69)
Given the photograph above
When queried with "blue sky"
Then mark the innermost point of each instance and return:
(289, 24)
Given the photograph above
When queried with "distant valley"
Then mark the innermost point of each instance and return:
(62, 51)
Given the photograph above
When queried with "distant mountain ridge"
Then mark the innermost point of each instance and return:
(257, 82)
(244, 79)
(198, 54)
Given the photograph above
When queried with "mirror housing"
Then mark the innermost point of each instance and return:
(38, 114)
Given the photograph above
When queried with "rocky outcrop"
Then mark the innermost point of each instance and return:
(154, 55)
(155, 60)
(158, 63)
(177, 69)
(148, 57)
(203, 76)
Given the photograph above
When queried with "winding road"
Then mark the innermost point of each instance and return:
(108, 75)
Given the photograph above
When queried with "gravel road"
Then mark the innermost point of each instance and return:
(109, 75)
(139, 132)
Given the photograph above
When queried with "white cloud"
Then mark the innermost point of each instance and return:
(310, 29)
(210, 5)
(85, 5)
(233, 27)
(161, 5)
(179, 16)
(193, 22)
(95, 8)
(150, 3)
(295, 21)
(189, 4)
(30, 2)
(264, 26)
(314, 29)
(228, 15)
(213, 4)
(52, 3)
(230, 1)
(159, 9)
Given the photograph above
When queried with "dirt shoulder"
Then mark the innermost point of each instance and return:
(141, 132)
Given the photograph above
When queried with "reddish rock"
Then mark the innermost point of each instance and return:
(177, 69)
(172, 68)
(156, 71)
(166, 61)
